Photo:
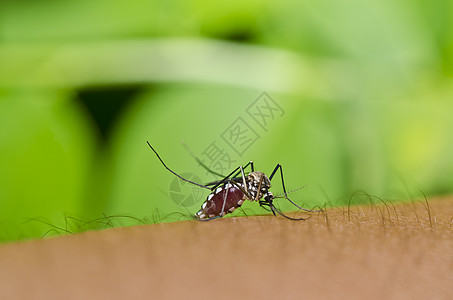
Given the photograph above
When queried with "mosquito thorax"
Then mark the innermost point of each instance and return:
(253, 182)
(255, 178)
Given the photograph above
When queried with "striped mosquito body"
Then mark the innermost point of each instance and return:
(224, 199)
(233, 194)
(230, 193)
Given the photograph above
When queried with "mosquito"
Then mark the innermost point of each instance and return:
(229, 193)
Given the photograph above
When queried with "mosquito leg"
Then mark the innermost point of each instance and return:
(279, 166)
(285, 216)
(206, 167)
(224, 180)
(275, 210)
(199, 161)
(242, 189)
(259, 189)
(284, 188)
(275, 170)
(244, 182)
(264, 203)
(250, 163)
(236, 172)
(222, 212)
(174, 173)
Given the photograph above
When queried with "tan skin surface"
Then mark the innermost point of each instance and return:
(399, 252)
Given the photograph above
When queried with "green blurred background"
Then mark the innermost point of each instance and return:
(365, 86)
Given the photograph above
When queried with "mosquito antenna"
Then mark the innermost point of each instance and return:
(292, 191)
(182, 178)
(199, 160)
(282, 195)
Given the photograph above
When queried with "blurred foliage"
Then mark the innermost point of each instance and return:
(366, 88)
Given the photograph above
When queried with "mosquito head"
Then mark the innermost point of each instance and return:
(269, 197)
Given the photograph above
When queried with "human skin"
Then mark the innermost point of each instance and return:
(364, 252)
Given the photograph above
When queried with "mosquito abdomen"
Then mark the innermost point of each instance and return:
(212, 207)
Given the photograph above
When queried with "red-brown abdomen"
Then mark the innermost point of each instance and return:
(212, 207)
